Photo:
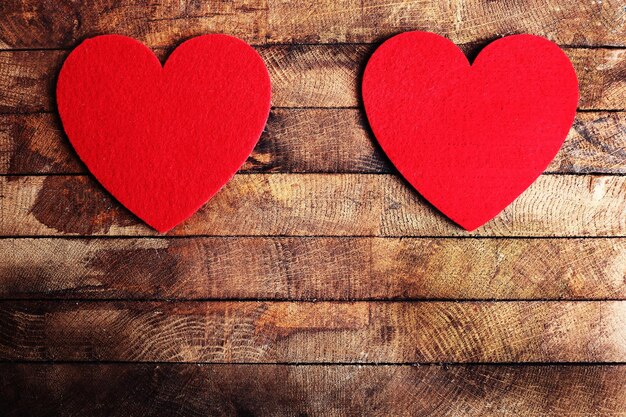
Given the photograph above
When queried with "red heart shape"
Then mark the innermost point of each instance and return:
(470, 139)
(163, 139)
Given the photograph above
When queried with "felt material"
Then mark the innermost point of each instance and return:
(470, 139)
(163, 140)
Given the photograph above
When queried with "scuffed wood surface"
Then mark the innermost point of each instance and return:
(313, 268)
(299, 225)
(308, 140)
(315, 205)
(321, 332)
(116, 390)
(304, 76)
(63, 23)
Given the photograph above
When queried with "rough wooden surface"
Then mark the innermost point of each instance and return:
(304, 76)
(315, 205)
(309, 140)
(313, 268)
(116, 390)
(314, 332)
(320, 254)
(29, 24)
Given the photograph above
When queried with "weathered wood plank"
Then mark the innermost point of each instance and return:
(315, 205)
(308, 140)
(462, 21)
(313, 268)
(304, 76)
(117, 390)
(322, 332)
(63, 23)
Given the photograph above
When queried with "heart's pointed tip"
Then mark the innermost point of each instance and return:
(470, 228)
(162, 228)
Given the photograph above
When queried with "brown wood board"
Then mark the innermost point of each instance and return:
(316, 282)
(124, 390)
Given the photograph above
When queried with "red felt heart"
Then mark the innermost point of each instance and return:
(163, 139)
(470, 139)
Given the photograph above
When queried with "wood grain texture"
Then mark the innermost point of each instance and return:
(308, 141)
(120, 390)
(590, 23)
(30, 24)
(304, 76)
(322, 332)
(315, 205)
(313, 268)
(300, 226)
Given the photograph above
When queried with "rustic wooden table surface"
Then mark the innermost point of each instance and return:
(316, 282)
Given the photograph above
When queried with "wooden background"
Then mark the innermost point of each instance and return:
(316, 282)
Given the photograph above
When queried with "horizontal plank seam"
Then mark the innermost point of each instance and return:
(392, 171)
(599, 110)
(311, 236)
(41, 112)
(322, 173)
(177, 42)
(305, 301)
(36, 112)
(60, 300)
(320, 364)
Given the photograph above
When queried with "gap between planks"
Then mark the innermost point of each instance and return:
(186, 389)
(318, 364)
(478, 45)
